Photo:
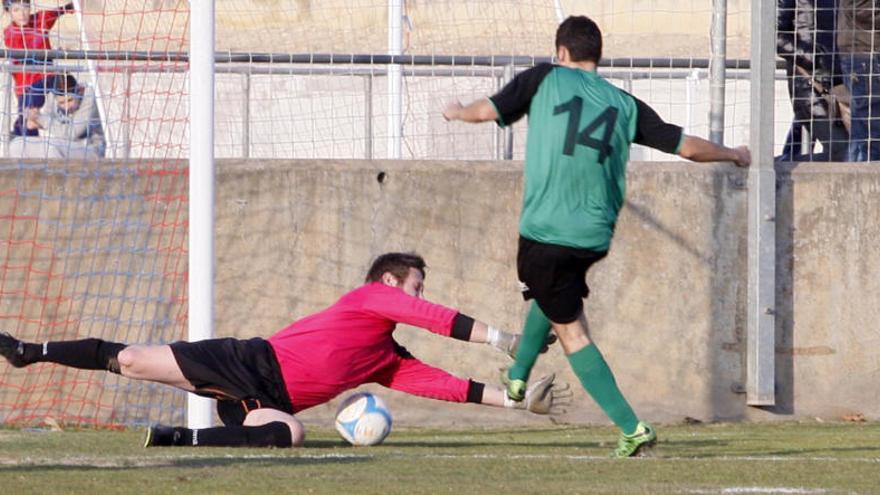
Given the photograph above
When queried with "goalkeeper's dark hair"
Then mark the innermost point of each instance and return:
(398, 264)
(582, 37)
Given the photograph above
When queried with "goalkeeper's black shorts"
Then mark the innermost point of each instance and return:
(242, 375)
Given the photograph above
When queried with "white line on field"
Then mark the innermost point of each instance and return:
(763, 489)
(293, 455)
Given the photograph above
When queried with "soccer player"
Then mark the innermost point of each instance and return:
(580, 131)
(260, 383)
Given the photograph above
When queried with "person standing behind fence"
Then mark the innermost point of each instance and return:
(805, 41)
(70, 123)
(858, 22)
(29, 31)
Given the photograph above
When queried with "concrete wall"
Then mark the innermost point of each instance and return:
(668, 305)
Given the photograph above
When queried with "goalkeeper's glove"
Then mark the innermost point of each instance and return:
(544, 397)
(508, 343)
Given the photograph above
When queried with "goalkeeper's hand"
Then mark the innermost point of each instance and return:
(508, 343)
(546, 397)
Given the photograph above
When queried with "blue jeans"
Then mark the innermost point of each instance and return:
(861, 74)
(34, 97)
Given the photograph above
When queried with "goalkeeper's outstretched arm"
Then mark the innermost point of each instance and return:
(471, 330)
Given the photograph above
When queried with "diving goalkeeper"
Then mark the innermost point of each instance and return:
(260, 384)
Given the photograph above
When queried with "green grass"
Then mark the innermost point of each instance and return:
(723, 458)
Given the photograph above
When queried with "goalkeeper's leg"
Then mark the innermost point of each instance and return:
(534, 339)
(141, 362)
(261, 428)
(87, 354)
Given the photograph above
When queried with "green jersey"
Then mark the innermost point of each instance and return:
(580, 131)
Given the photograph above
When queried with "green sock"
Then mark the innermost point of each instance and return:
(597, 379)
(533, 337)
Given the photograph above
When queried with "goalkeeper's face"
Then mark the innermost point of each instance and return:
(413, 284)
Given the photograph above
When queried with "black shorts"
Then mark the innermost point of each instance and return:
(555, 277)
(242, 375)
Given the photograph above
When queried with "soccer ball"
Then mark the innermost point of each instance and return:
(363, 419)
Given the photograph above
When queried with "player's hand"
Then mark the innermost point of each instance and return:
(451, 111)
(508, 343)
(517, 338)
(743, 156)
(546, 397)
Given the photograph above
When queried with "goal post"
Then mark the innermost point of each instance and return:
(201, 191)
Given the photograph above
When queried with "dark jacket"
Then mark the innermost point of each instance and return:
(858, 26)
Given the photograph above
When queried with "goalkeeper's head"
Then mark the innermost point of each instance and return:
(403, 270)
(578, 39)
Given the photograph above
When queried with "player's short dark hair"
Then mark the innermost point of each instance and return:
(398, 264)
(582, 37)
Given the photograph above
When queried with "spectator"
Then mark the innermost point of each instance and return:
(29, 31)
(805, 41)
(858, 22)
(70, 123)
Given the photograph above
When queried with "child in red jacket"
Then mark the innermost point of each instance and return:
(30, 31)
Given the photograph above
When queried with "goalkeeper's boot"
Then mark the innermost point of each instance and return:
(631, 445)
(13, 350)
(163, 436)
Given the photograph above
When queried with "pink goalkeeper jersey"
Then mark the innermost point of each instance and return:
(350, 343)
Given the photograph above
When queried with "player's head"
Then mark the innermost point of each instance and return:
(578, 39)
(19, 10)
(403, 270)
(67, 98)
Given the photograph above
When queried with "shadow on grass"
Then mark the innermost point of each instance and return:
(828, 451)
(184, 463)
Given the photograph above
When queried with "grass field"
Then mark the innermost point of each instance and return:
(794, 458)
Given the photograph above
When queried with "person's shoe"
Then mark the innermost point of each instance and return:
(162, 436)
(12, 349)
(516, 390)
(631, 445)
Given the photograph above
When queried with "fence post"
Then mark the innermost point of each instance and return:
(368, 116)
(717, 70)
(126, 117)
(508, 131)
(761, 320)
(395, 80)
(246, 117)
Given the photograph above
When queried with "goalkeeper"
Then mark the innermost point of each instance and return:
(580, 131)
(260, 383)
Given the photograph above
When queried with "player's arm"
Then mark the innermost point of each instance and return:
(471, 330)
(414, 377)
(700, 150)
(505, 107)
(396, 305)
(476, 112)
(653, 132)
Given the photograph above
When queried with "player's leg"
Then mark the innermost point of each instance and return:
(597, 379)
(89, 354)
(264, 427)
(535, 269)
(155, 363)
(534, 338)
